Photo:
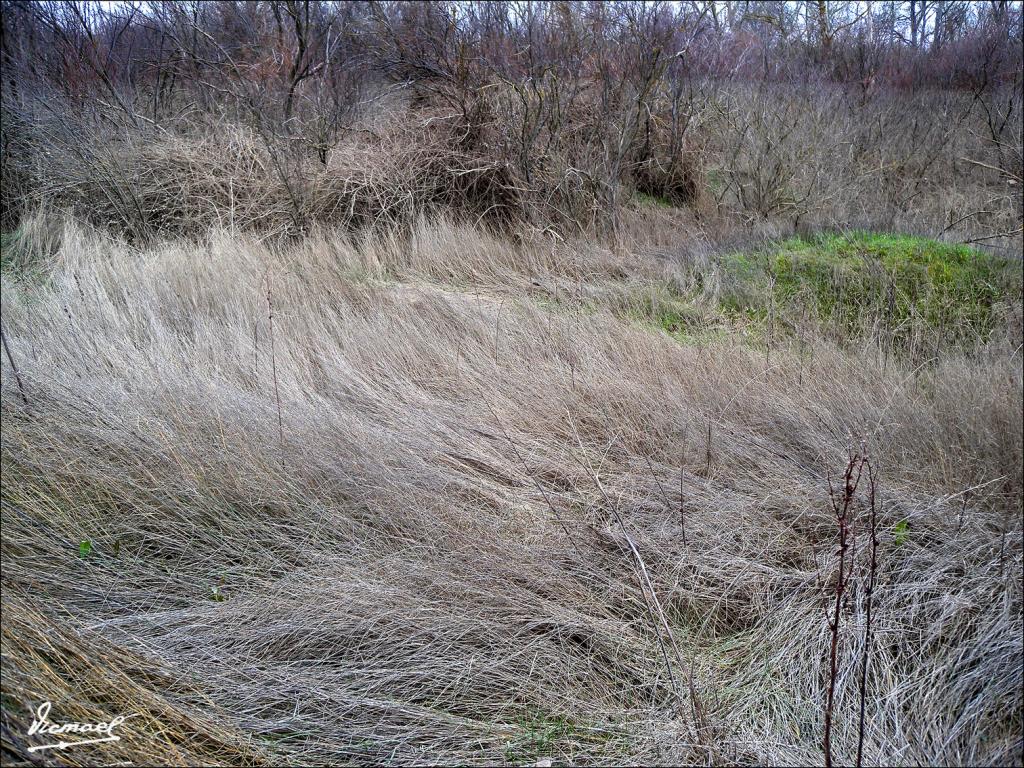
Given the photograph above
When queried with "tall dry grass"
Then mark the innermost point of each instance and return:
(427, 564)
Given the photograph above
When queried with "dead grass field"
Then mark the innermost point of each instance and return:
(446, 499)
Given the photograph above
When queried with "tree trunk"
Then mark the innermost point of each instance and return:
(824, 33)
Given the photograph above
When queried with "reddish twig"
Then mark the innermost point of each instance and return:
(841, 508)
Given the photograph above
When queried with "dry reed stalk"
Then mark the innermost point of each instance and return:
(657, 614)
(707, 452)
(14, 367)
(536, 482)
(682, 508)
(869, 591)
(273, 367)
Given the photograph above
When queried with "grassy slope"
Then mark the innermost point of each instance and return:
(424, 563)
(899, 290)
(903, 279)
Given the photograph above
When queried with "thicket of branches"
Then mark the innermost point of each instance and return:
(174, 116)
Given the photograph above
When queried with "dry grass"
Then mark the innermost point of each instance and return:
(397, 585)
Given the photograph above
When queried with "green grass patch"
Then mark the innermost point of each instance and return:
(9, 250)
(539, 735)
(565, 303)
(684, 317)
(896, 281)
(850, 285)
(655, 201)
(24, 252)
